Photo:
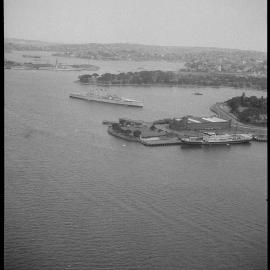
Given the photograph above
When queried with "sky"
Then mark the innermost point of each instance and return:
(237, 24)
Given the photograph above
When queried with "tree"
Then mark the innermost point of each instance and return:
(153, 127)
(243, 99)
(116, 126)
(137, 133)
(85, 78)
(128, 132)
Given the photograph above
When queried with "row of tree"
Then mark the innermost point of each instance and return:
(174, 78)
(127, 132)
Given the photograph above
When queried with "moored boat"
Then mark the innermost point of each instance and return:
(108, 123)
(210, 138)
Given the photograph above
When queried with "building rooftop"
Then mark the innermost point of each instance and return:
(214, 119)
(195, 119)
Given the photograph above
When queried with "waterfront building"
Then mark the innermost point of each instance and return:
(190, 122)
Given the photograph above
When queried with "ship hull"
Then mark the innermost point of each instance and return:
(123, 103)
(227, 142)
(215, 142)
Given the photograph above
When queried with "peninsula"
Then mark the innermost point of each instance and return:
(246, 113)
(249, 110)
(158, 77)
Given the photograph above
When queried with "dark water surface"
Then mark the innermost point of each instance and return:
(76, 198)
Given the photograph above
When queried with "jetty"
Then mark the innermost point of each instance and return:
(165, 141)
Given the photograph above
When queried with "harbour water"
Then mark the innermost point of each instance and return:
(78, 198)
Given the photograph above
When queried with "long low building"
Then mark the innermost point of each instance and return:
(190, 122)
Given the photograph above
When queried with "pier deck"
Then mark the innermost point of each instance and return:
(161, 141)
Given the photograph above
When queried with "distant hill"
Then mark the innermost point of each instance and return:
(135, 52)
(27, 42)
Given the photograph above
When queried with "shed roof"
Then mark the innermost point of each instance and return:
(214, 119)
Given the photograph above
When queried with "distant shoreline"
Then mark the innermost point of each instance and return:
(145, 84)
(167, 85)
(170, 78)
(48, 69)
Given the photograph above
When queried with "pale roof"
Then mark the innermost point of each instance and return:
(151, 139)
(214, 119)
(193, 120)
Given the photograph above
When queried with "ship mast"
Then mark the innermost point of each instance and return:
(236, 126)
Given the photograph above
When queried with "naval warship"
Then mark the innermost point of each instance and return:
(107, 98)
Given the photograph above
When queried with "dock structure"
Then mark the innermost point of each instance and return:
(172, 131)
(158, 141)
(143, 132)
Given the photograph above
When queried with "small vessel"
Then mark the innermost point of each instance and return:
(211, 138)
(107, 122)
(31, 56)
(198, 93)
(107, 98)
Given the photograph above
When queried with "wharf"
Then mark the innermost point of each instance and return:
(161, 141)
(153, 141)
(159, 133)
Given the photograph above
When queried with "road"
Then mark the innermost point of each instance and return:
(221, 110)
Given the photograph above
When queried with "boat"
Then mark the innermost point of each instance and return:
(31, 56)
(108, 123)
(107, 98)
(211, 138)
(198, 94)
